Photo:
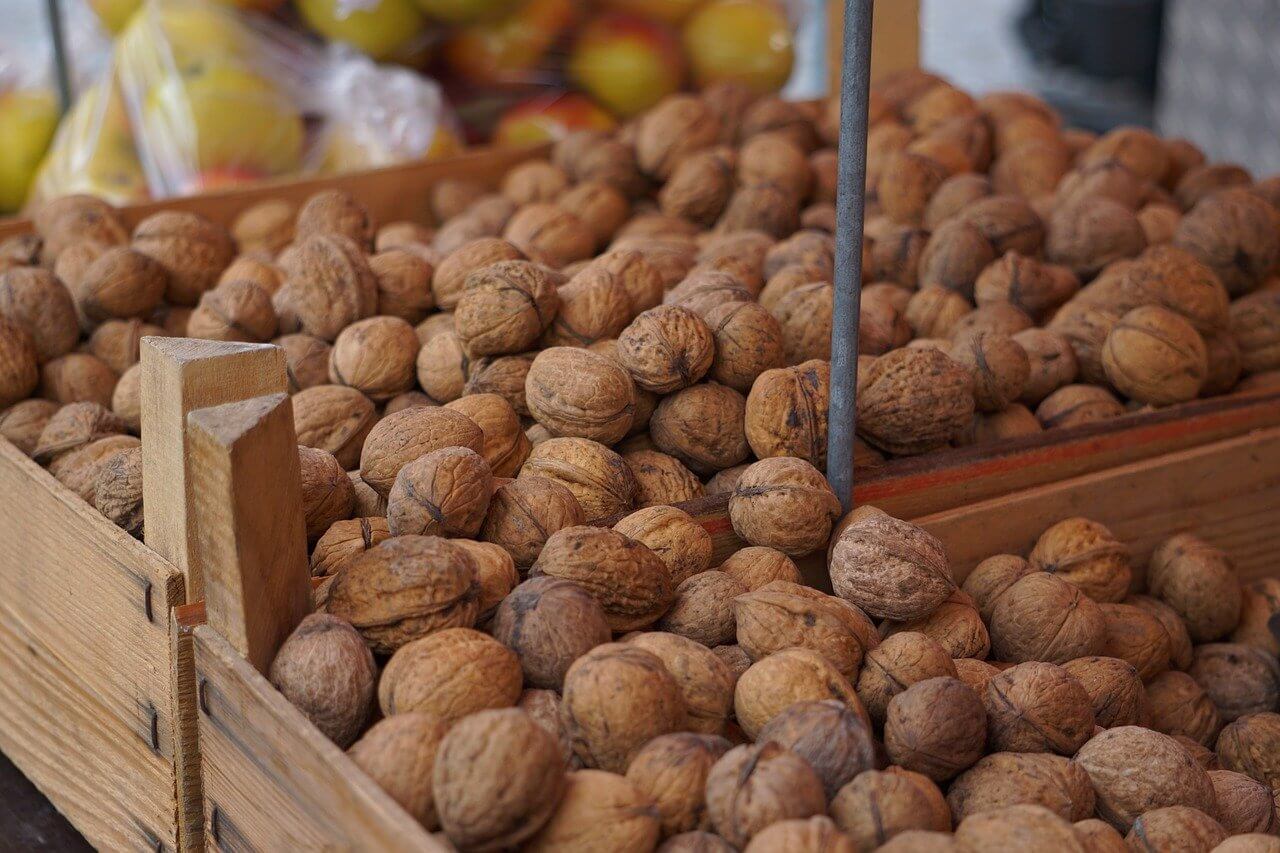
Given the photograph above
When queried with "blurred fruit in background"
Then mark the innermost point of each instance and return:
(467, 11)
(668, 11)
(512, 48)
(744, 41)
(185, 34)
(626, 63)
(550, 117)
(379, 28)
(115, 14)
(29, 118)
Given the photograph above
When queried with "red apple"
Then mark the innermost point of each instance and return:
(627, 63)
(548, 118)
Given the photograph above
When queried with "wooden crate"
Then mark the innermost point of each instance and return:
(272, 781)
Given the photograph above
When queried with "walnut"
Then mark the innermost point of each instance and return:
(1076, 405)
(637, 276)
(1137, 637)
(117, 489)
(1254, 321)
(816, 833)
(72, 219)
(504, 308)
(368, 502)
(1052, 363)
(117, 343)
(594, 474)
(880, 806)
(404, 284)
(1225, 364)
(1249, 746)
(406, 588)
(331, 288)
(906, 184)
(767, 207)
(544, 707)
(753, 786)
(671, 770)
(80, 469)
(1244, 804)
(1031, 169)
(495, 573)
(774, 114)
(451, 674)
(1098, 836)
(1234, 233)
(327, 493)
(75, 377)
(126, 399)
(192, 251)
(666, 348)
(936, 727)
(505, 445)
(661, 480)
(889, 568)
(503, 375)
(1086, 554)
(914, 400)
(1259, 604)
(1175, 628)
(1044, 618)
(1177, 827)
(327, 672)
(599, 811)
(444, 492)
(344, 541)
(20, 250)
(804, 316)
(1159, 222)
(703, 609)
(1008, 222)
(992, 578)
(755, 566)
(549, 623)
(235, 310)
(679, 541)
(999, 318)
(599, 205)
(1011, 827)
(400, 438)
(1170, 278)
(1199, 582)
(1170, 775)
(74, 260)
(575, 392)
(534, 181)
(999, 367)
(334, 418)
(836, 742)
(1038, 707)
(1155, 356)
(20, 371)
(953, 258)
(1086, 327)
(955, 624)
(436, 324)
(735, 658)
(549, 234)
(786, 412)
(335, 212)
(1240, 680)
(398, 753)
(699, 186)
(1010, 778)
(775, 158)
(895, 255)
(680, 125)
(935, 311)
(706, 683)
(37, 301)
(784, 503)
(632, 584)
(773, 684)
(782, 615)
(901, 660)
(705, 289)
(22, 423)
(524, 512)
(73, 427)
(702, 426)
(306, 361)
(449, 279)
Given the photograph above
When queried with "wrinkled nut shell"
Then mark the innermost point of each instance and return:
(1170, 775)
(889, 568)
(450, 674)
(631, 583)
(325, 670)
(784, 503)
(549, 623)
(754, 786)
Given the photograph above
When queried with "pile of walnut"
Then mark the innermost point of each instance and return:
(643, 312)
(626, 696)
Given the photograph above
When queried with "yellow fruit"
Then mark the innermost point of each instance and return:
(114, 14)
(668, 11)
(29, 118)
(189, 33)
(467, 11)
(93, 152)
(745, 41)
(378, 29)
(626, 63)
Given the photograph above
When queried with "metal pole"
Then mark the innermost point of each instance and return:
(855, 86)
(61, 68)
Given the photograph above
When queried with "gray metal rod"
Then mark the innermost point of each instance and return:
(61, 66)
(855, 86)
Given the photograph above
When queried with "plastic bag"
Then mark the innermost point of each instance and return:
(216, 97)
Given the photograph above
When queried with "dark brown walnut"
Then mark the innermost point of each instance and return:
(504, 308)
(73, 219)
(954, 195)
(784, 503)
(754, 786)
(1259, 604)
(36, 300)
(344, 541)
(699, 186)
(1249, 746)
(991, 579)
(1156, 357)
(703, 609)
(75, 377)
(451, 674)
(702, 426)
(1225, 364)
(1086, 554)
(599, 811)
(617, 697)
(954, 256)
(524, 512)
(578, 393)
(1052, 363)
(22, 423)
(334, 418)
(631, 583)
(534, 181)
(1115, 690)
(1254, 321)
(836, 742)
(1008, 222)
(1038, 707)
(19, 364)
(890, 568)
(1234, 233)
(804, 315)
(666, 348)
(1011, 827)
(330, 288)
(781, 615)
(1199, 582)
(662, 480)
(1044, 618)
(80, 469)
(881, 327)
(1245, 805)
(755, 566)
(1098, 836)
(549, 623)
(505, 445)
(1240, 680)
(786, 412)
(398, 753)
(503, 375)
(1179, 706)
(671, 770)
(1170, 775)
(405, 588)
(549, 234)
(775, 158)
(878, 807)
(999, 367)
(306, 361)
(914, 400)
(498, 776)
(1090, 232)
(192, 251)
(327, 493)
(773, 684)
(327, 672)
(1076, 405)
(1159, 222)
(705, 681)
(117, 490)
(118, 343)
(1012, 778)
(1034, 287)
(441, 493)
(335, 212)
(999, 318)
(1170, 278)
(934, 312)
(596, 476)
(671, 533)
(404, 284)
(400, 438)
(955, 624)
(450, 276)
(126, 400)
(235, 310)
(1176, 828)
(901, 659)
(678, 126)
(936, 727)
(74, 426)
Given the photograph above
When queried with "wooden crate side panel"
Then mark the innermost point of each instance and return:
(272, 781)
(86, 704)
(1227, 493)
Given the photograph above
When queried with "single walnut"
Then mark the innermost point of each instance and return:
(1052, 363)
(1180, 706)
(404, 284)
(36, 300)
(344, 541)
(117, 490)
(934, 312)
(1031, 169)
(1012, 778)
(331, 288)
(575, 392)
(442, 367)
(999, 367)
(600, 206)
(1135, 636)
(549, 623)
(444, 492)
(1249, 746)
(914, 400)
(778, 489)
(496, 575)
(192, 251)
(1155, 356)
(452, 674)
(375, 356)
(597, 477)
(1012, 826)
(335, 212)
(599, 811)
(774, 114)
(1038, 707)
(662, 479)
(677, 127)
(74, 426)
(836, 742)
(1008, 222)
(449, 280)
(505, 445)
(753, 786)
(1199, 582)
(992, 578)
(1170, 775)
(755, 566)
(118, 343)
(1234, 233)
(666, 348)
(1086, 326)
(703, 609)
(1098, 836)
(306, 361)
(1115, 690)
(326, 671)
(774, 683)
(534, 181)
(1044, 618)
(549, 234)
(900, 661)
(699, 186)
(1076, 405)
(953, 258)
(671, 770)
(786, 412)
(22, 423)
(1225, 364)
(1175, 628)
(767, 207)
(804, 315)
(905, 185)
(706, 683)
(1244, 805)
(781, 615)
(936, 727)
(1137, 149)
(398, 753)
(702, 426)
(266, 226)
(954, 195)
(19, 365)
(1240, 680)
(640, 279)
(1086, 554)
(1253, 321)
(524, 512)
(955, 624)
(594, 306)
(504, 308)
(334, 418)
(77, 219)
(327, 493)
(79, 470)
(879, 807)
(672, 534)
(775, 158)
(1090, 232)
(400, 438)
(889, 568)
(75, 377)
(632, 584)
(1177, 828)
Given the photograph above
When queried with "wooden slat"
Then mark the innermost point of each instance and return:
(247, 495)
(85, 704)
(272, 781)
(1227, 493)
